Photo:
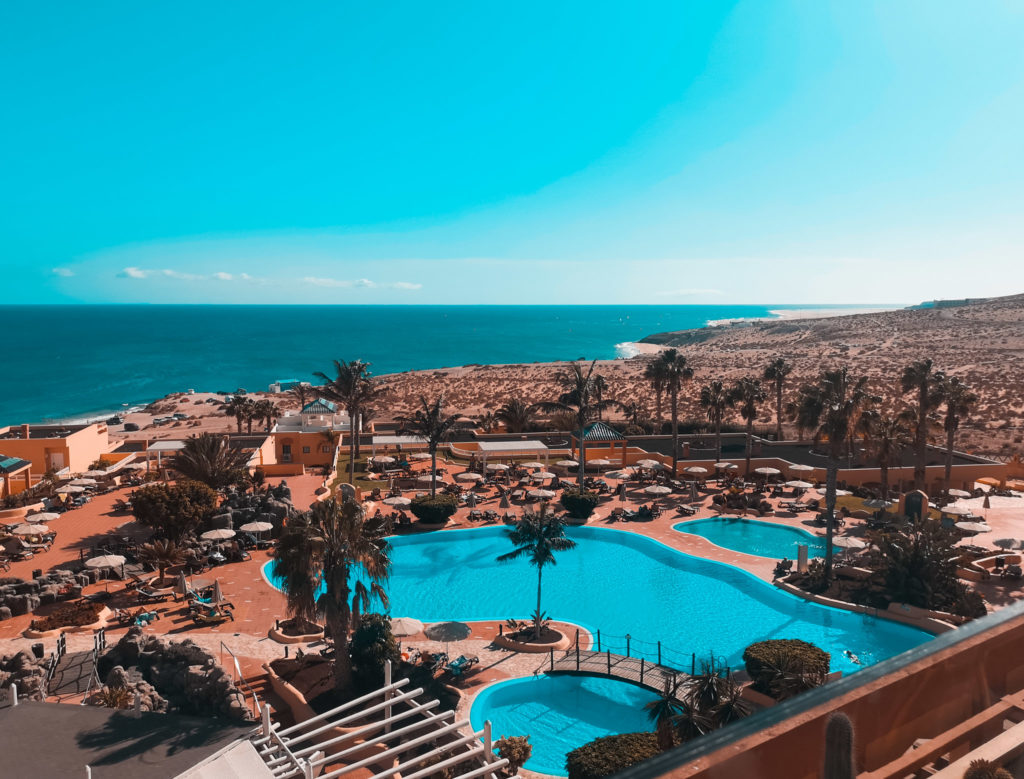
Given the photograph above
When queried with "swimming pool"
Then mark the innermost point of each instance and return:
(560, 713)
(620, 582)
(751, 536)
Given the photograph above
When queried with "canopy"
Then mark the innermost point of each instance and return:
(543, 475)
(383, 459)
(427, 478)
(695, 469)
(46, 516)
(69, 489)
(959, 494)
(257, 527)
(877, 503)
(956, 511)
(532, 465)
(542, 494)
(398, 501)
(467, 476)
(657, 489)
(420, 456)
(766, 471)
(105, 561)
(31, 529)
(405, 626)
(848, 543)
(219, 534)
(798, 484)
(801, 468)
(497, 467)
(568, 464)
(448, 631)
(618, 474)
(218, 594)
(649, 464)
(727, 466)
(599, 463)
(974, 527)
(83, 483)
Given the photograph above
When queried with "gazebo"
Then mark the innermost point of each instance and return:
(602, 436)
(11, 468)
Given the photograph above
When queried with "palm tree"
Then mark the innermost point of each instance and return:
(266, 411)
(663, 712)
(431, 423)
(960, 401)
(927, 385)
(675, 373)
(715, 399)
(887, 437)
(600, 387)
(355, 390)
(830, 409)
(301, 394)
(747, 393)
(634, 413)
(210, 459)
(776, 371)
(655, 374)
(323, 549)
(487, 422)
(516, 415)
(161, 554)
(578, 398)
(537, 536)
(238, 407)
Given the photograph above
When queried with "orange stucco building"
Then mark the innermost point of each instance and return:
(55, 447)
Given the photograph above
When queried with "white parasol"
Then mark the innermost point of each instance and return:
(219, 534)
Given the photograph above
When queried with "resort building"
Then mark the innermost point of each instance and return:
(55, 447)
(283, 385)
(311, 436)
(15, 475)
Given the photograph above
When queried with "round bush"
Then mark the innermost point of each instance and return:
(434, 510)
(785, 667)
(580, 505)
(608, 755)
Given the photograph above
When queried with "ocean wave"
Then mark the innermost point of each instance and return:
(626, 350)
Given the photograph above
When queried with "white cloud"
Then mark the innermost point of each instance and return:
(322, 282)
(133, 273)
(319, 281)
(175, 274)
(406, 285)
(63, 272)
(685, 292)
(222, 276)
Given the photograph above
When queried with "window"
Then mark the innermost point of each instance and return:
(305, 450)
(325, 449)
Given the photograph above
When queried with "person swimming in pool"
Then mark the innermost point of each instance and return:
(851, 657)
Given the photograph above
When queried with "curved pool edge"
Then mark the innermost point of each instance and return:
(675, 528)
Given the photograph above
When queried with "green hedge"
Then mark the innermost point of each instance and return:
(580, 505)
(608, 755)
(434, 510)
(785, 667)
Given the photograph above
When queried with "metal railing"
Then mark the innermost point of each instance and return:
(241, 682)
(55, 656)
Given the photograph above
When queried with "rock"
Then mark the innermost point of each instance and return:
(47, 595)
(118, 677)
(5, 613)
(26, 588)
(22, 604)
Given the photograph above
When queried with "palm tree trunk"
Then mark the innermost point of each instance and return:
(832, 475)
(248, 423)
(920, 448)
(536, 624)
(883, 469)
(949, 457)
(357, 413)
(778, 410)
(351, 453)
(674, 397)
(580, 475)
(433, 471)
(718, 437)
(342, 661)
(657, 404)
(750, 443)
(238, 419)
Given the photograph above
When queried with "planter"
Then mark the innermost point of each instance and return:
(525, 646)
(101, 621)
(576, 522)
(11, 515)
(284, 638)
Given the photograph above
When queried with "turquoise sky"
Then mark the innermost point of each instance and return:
(368, 152)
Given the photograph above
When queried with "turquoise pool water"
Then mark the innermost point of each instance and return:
(561, 713)
(751, 536)
(621, 582)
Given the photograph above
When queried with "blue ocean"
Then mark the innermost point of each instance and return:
(75, 361)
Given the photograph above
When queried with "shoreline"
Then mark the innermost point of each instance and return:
(793, 314)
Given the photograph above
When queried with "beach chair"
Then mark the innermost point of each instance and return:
(212, 616)
(438, 661)
(5, 564)
(460, 665)
(148, 595)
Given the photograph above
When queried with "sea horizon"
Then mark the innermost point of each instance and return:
(113, 356)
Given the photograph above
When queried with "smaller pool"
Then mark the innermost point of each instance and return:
(560, 713)
(751, 536)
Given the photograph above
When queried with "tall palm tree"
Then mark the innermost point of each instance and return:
(240, 408)
(537, 536)
(960, 401)
(209, 458)
(352, 387)
(655, 375)
(830, 408)
(336, 548)
(161, 554)
(927, 386)
(776, 372)
(600, 387)
(517, 415)
(578, 398)
(714, 398)
(634, 413)
(663, 712)
(266, 411)
(887, 436)
(431, 423)
(676, 372)
(747, 393)
(301, 394)
(487, 422)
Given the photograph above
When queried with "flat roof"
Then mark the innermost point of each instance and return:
(60, 739)
(12, 464)
(512, 446)
(166, 446)
(392, 440)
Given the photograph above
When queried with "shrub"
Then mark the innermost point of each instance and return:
(580, 505)
(608, 755)
(114, 698)
(370, 646)
(173, 510)
(986, 769)
(69, 615)
(968, 603)
(434, 510)
(783, 668)
(515, 749)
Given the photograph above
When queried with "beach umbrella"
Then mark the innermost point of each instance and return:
(801, 468)
(182, 585)
(695, 469)
(497, 467)
(766, 471)
(839, 493)
(617, 474)
(798, 484)
(959, 494)
(649, 464)
(420, 456)
(657, 489)
(974, 527)
(402, 627)
(257, 527)
(82, 482)
(30, 529)
(542, 494)
(45, 516)
(383, 459)
(447, 632)
(504, 501)
(567, 464)
(105, 561)
(532, 465)
(471, 500)
(726, 466)
(986, 504)
(219, 534)
(543, 475)
(69, 489)
(468, 476)
(94, 474)
(846, 542)
(427, 478)
(1006, 543)
(877, 503)
(218, 596)
(955, 511)
(599, 463)
(398, 501)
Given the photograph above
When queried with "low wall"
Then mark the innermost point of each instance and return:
(283, 469)
(16, 515)
(923, 619)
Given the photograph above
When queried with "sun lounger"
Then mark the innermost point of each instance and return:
(458, 667)
(149, 595)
